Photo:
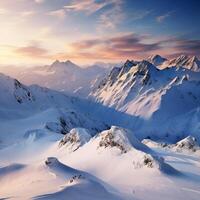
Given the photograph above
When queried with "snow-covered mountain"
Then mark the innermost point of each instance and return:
(160, 97)
(41, 109)
(185, 61)
(54, 146)
(61, 76)
(156, 60)
(35, 111)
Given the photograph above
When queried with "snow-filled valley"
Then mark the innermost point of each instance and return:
(133, 132)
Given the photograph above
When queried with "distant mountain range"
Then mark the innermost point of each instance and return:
(62, 76)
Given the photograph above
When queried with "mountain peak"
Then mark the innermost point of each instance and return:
(66, 64)
(55, 62)
(145, 63)
(183, 56)
(129, 63)
(62, 62)
(154, 56)
(69, 62)
(120, 138)
(185, 61)
(126, 67)
(76, 138)
(156, 59)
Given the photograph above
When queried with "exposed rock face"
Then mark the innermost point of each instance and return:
(76, 178)
(121, 139)
(189, 143)
(51, 161)
(76, 138)
(21, 93)
(114, 137)
(126, 67)
(148, 161)
(109, 140)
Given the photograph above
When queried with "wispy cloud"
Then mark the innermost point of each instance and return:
(88, 6)
(46, 20)
(27, 13)
(140, 14)
(31, 51)
(188, 46)
(61, 13)
(161, 18)
(130, 46)
(116, 47)
(119, 47)
(111, 17)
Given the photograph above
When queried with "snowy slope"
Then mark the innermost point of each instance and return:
(105, 171)
(34, 111)
(40, 109)
(160, 97)
(53, 180)
(77, 184)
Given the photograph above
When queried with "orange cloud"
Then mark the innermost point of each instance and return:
(128, 46)
(116, 48)
(89, 6)
(32, 51)
(124, 46)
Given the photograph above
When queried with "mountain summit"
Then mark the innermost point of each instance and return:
(64, 76)
(188, 62)
(156, 59)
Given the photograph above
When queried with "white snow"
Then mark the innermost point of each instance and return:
(104, 173)
(54, 146)
(158, 97)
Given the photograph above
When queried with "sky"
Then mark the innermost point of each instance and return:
(87, 31)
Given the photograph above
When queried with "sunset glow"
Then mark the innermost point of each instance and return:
(40, 31)
(100, 99)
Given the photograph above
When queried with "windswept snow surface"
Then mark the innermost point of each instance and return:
(114, 164)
